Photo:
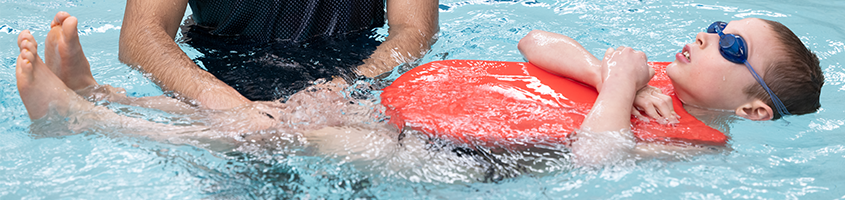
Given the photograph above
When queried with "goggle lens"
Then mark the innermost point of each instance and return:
(731, 46)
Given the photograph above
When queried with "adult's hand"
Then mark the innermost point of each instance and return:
(147, 44)
(412, 26)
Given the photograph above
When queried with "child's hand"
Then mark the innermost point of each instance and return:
(656, 105)
(627, 66)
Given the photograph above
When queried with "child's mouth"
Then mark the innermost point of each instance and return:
(684, 55)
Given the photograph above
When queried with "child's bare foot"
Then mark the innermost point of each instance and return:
(38, 86)
(64, 54)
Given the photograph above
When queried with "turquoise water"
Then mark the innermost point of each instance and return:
(798, 159)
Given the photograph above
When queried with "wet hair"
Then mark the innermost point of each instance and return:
(795, 76)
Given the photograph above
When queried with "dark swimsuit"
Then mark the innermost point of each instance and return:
(270, 49)
(267, 51)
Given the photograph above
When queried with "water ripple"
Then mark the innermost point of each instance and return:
(9, 30)
(102, 29)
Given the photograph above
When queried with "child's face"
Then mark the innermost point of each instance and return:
(709, 80)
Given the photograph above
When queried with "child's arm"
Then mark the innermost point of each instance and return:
(562, 56)
(605, 135)
(565, 57)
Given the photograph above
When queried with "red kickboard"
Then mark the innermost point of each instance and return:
(494, 102)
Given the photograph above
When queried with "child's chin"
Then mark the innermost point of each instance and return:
(671, 70)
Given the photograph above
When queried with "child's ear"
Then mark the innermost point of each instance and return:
(756, 110)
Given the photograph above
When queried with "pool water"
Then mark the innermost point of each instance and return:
(797, 158)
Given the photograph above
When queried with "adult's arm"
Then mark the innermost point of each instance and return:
(412, 27)
(147, 43)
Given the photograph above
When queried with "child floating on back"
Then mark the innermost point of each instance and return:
(757, 69)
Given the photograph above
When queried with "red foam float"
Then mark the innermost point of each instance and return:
(492, 102)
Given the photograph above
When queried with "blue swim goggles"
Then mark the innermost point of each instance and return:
(733, 48)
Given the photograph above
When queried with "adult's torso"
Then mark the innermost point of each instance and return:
(270, 49)
(286, 20)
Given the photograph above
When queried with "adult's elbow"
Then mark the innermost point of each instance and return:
(124, 52)
(431, 35)
(127, 46)
(135, 42)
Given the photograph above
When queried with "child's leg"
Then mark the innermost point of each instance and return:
(64, 55)
(43, 92)
(65, 58)
(38, 86)
(118, 95)
(71, 72)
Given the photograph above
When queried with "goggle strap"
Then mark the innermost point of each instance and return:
(775, 100)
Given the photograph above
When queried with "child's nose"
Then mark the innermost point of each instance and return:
(703, 39)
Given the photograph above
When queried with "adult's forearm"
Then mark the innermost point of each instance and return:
(154, 53)
(402, 46)
(147, 44)
(412, 28)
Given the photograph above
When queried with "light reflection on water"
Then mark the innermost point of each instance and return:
(770, 160)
